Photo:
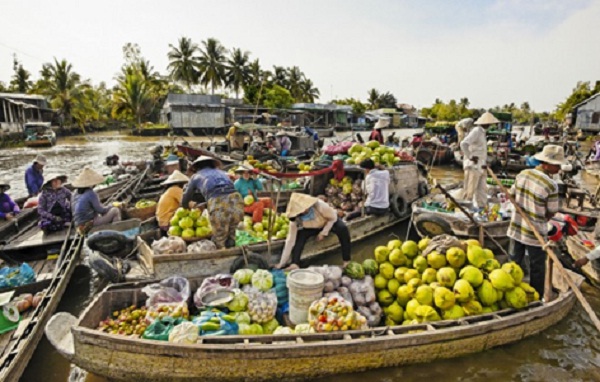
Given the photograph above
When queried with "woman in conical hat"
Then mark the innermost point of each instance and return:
(88, 211)
(8, 208)
(310, 216)
(54, 204)
(170, 200)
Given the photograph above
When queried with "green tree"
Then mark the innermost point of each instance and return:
(373, 99)
(580, 93)
(387, 100)
(237, 72)
(358, 107)
(61, 85)
(309, 91)
(278, 97)
(3, 87)
(279, 76)
(20, 82)
(184, 62)
(294, 78)
(212, 63)
(131, 97)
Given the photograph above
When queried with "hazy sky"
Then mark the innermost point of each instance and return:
(491, 51)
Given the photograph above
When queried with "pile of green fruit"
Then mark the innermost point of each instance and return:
(130, 321)
(144, 203)
(190, 224)
(279, 230)
(379, 154)
(414, 288)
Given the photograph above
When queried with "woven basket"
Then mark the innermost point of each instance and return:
(141, 213)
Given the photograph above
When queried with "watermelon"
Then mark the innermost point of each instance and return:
(370, 267)
(354, 270)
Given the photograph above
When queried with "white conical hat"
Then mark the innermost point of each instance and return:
(299, 203)
(175, 178)
(487, 118)
(87, 178)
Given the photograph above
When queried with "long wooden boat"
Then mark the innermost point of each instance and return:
(195, 152)
(281, 357)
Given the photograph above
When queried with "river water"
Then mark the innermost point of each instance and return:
(569, 351)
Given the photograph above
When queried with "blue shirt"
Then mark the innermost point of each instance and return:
(86, 206)
(210, 183)
(311, 132)
(247, 187)
(34, 180)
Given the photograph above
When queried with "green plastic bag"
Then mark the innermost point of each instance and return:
(159, 330)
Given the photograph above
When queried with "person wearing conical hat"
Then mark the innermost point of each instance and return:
(8, 208)
(248, 185)
(170, 200)
(235, 137)
(88, 211)
(376, 134)
(54, 204)
(224, 204)
(474, 148)
(536, 193)
(310, 216)
(34, 175)
(285, 143)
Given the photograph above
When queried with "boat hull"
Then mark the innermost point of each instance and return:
(41, 143)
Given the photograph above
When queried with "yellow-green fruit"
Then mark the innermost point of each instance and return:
(473, 275)
(389, 321)
(424, 295)
(456, 257)
(435, 284)
(453, 313)
(489, 255)
(393, 286)
(476, 256)
(410, 249)
(501, 280)
(436, 260)
(404, 294)
(425, 313)
(490, 265)
(397, 258)
(380, 282)
(381, 254)
(393, 244)
(463, 291)
(429, 276)
(420, 264)
(472, 308)
(472, 242)
(411, 274)
(516, 298)
(415, 283)
(410, 309)
(486, 310)
(386, 270)
(514, 270)
(384, 297)
(399, 274)
(531, 293)
(443, 298)
(486, 293)
(446, 277)
(423, 243)
(395, 312)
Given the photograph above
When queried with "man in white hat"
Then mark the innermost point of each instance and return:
(34, 175)
(461, 127)
(170, 200)
(235, 137)
(474, 148)
(536, 193)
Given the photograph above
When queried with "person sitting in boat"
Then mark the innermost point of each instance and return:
(376, 134)
(87, 210)
(389, 142)
(248, 184)
(54, 204)
(172, 164)
(273, 144)
(405, 146)
(225, 205)
(377, 188)
(284, 142)
(257, 148)
(8, 208)
(417, 139)
(235, 137)
(170, 200)
(34, 175)
(310, 216)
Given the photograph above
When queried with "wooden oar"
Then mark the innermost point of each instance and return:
(470, 216)
(553, 257)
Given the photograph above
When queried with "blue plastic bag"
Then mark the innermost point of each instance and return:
(16, 276)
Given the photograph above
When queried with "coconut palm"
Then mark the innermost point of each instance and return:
(20, 81)
(295, 77)
(61, 84)
(255, 72)
(212, 63)
(309, 91)
(373, 99)
(131, 97)
(279, 76)
(237, 72)
(183, 62)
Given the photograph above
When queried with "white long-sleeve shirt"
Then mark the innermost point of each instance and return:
(377, 184)
(474, 144)
(594, 254)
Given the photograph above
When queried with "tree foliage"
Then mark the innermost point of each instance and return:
(581, 92)
(278, 97)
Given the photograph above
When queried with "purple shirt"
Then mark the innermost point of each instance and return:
(50, 198)
(7, 206)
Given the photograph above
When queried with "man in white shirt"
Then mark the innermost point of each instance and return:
(590, 256)
(377, 185)
(474, 148)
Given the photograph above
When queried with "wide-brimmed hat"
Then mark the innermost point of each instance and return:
(258, 139)
(244, 168)
(205, 158)
(487, 118)
(270, 135)
(236, 125)
(175, 178)
(381, 123)
(299, 203)
(281, 133)
(172, 159)
(49, 178)
(552, 154)
(87, 178)
(4, 185)
(40, 159)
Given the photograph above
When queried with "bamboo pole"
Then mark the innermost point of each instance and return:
(551, 257)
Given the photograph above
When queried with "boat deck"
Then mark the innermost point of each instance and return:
(36, 238)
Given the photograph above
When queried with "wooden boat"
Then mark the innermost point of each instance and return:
(429, 153)
(282, 357)
(39, 134)
(195, 152)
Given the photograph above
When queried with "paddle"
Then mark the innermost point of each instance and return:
(553, 257)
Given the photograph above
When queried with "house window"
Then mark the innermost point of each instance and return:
(596, 117)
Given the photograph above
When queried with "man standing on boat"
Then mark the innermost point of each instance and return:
(537, 194)
(376, 134)
(474, 148)
(461, 127)
(235, 138)
(34, 176)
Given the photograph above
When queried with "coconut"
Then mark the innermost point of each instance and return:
(514, 270)
(429, 276)
(486, 293)
(516, 298)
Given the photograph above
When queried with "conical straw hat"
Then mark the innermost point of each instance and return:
(87, 178)
(487, 119)
(299, 203)
(52, 176)
(175, 178)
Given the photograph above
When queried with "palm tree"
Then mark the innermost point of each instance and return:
(131, 97)
(237, 72)
(309, 91)
(20, 81)
(373, 99)
(183, 62)
(61, 84)
(212, 63)
(280, 76)
(294, 82)
(255, 72)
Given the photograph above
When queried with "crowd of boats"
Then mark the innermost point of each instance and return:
(129, 262)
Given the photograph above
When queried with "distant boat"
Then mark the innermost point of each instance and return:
(39, 134)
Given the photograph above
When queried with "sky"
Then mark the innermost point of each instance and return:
(492, 51)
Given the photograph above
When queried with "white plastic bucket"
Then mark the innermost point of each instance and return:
(305, 287)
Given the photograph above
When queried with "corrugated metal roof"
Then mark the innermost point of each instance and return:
(22, 96)
(193, 99)
(586, 101)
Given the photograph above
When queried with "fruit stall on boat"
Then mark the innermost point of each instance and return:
(407, 304)
(39, 134)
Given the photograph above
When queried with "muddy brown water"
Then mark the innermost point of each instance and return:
(568, 351)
